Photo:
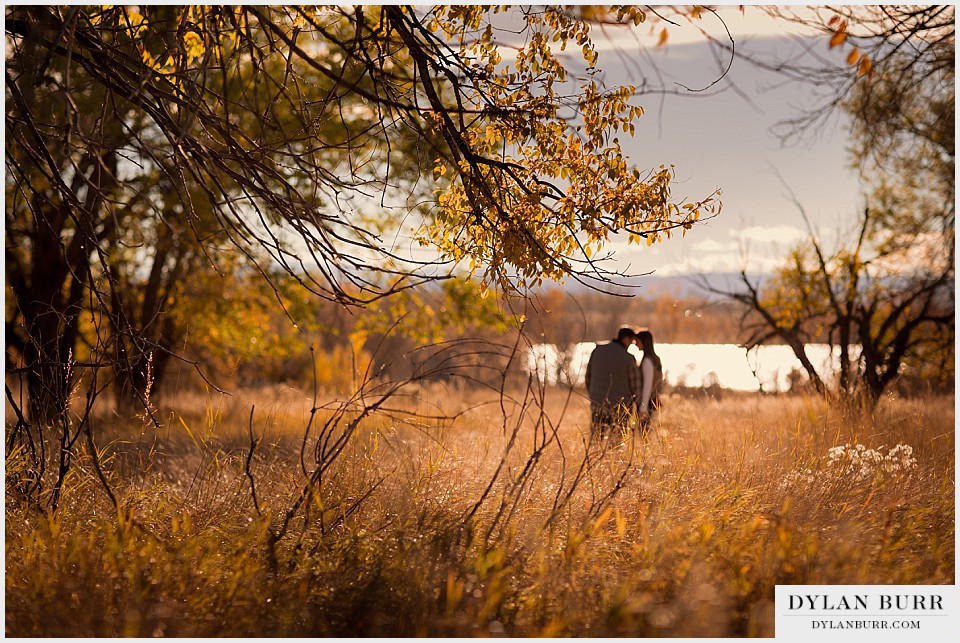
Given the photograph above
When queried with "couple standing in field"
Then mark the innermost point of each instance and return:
(619, 388)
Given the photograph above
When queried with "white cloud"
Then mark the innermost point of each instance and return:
(757, 248)
(714, 246)
(782, 234)
(716, 263)
(926, 254)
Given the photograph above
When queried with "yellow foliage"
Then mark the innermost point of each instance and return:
(839, 35)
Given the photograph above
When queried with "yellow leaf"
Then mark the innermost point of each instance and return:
(864, 67)
(839, 36)
(663, 38)
(853, 56)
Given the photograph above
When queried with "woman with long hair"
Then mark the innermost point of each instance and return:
(651, 380)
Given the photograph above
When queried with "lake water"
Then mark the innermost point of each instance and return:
(727, 365)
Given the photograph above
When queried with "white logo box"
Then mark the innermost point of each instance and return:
(928, 613)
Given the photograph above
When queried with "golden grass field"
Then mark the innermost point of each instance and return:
(503, 521)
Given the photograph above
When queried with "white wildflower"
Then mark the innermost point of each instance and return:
(858, 463)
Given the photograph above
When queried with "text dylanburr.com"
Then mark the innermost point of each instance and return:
(867, 612)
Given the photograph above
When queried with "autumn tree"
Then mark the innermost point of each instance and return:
(153, 224)
(878, 317)
(883, 295)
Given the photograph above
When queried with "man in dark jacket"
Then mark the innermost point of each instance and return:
(613, 383)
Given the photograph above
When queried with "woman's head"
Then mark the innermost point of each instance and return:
(645, 339)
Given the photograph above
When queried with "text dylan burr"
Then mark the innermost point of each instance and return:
(864, 602)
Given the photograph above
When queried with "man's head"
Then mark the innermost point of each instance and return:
(626, 335)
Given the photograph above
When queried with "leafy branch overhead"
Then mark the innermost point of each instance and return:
(279, 114)
(910, 47)
(538, 178)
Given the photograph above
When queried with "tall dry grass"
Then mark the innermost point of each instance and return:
(505, 520)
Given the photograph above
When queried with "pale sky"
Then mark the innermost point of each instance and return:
(724, 141)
